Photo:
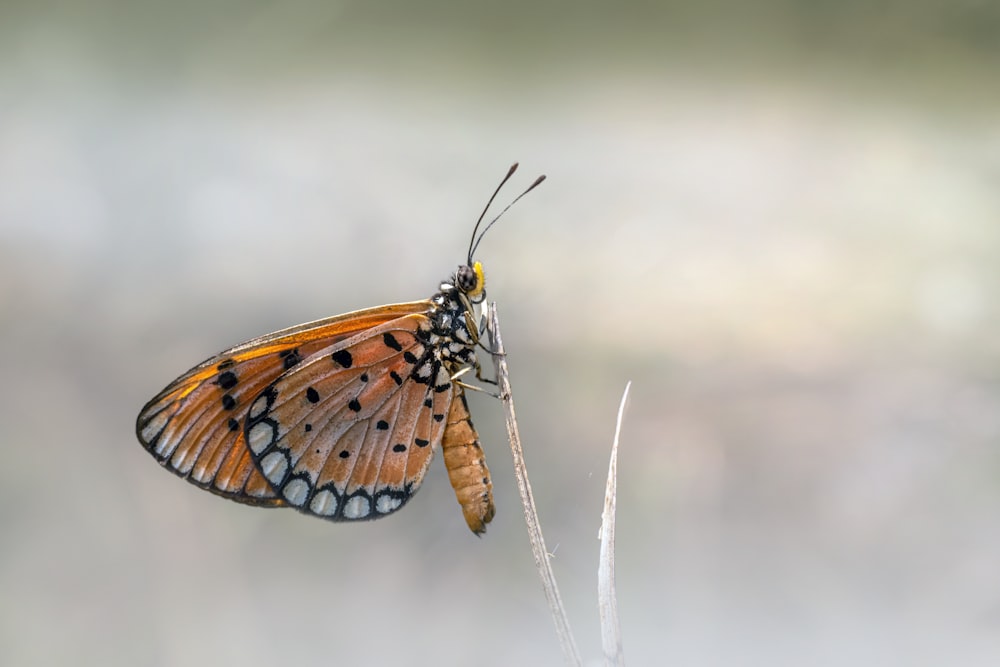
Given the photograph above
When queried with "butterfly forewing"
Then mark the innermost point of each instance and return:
(350, 433)
(195, 427)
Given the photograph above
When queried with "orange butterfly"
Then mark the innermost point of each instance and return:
(338, 418)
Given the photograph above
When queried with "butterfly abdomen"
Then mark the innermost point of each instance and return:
(466, 464)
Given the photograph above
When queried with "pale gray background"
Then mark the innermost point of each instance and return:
(782, 222)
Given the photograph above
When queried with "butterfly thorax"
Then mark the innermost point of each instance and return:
(452, 328)
(450, 336)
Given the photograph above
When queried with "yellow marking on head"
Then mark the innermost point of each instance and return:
(477, 267)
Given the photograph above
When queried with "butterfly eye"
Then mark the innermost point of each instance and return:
(466, 279)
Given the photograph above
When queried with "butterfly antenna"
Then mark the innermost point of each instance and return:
(472, 247)
(510, 172)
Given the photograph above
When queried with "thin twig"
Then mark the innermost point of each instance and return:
(611, 629)
(570, 651)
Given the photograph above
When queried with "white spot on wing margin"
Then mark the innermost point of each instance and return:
(259, 437)
(387, 503)
(274, 466)
(357, 507)
(324, 503)
(296, 491)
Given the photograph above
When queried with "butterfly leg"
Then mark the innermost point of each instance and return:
(477, 339)
(456, 376)
(473, 387)
(479, 376)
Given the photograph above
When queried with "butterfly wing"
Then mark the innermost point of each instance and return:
(195, 427)
(349, 434)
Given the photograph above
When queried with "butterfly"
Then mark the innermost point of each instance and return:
(337, 418)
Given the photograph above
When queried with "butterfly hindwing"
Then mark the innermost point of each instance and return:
(350, 433)
(195, 427)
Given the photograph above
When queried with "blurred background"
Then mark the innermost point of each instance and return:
(781, 221)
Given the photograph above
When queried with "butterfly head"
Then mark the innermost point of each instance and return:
(471, 281)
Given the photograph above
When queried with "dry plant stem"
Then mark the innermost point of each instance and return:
(611, 630)
(570, 651)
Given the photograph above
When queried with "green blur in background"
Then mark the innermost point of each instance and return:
(781, 221)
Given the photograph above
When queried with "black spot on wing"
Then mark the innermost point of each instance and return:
(227, 380)
(342, 358)
(391, 342)
(290, 358)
